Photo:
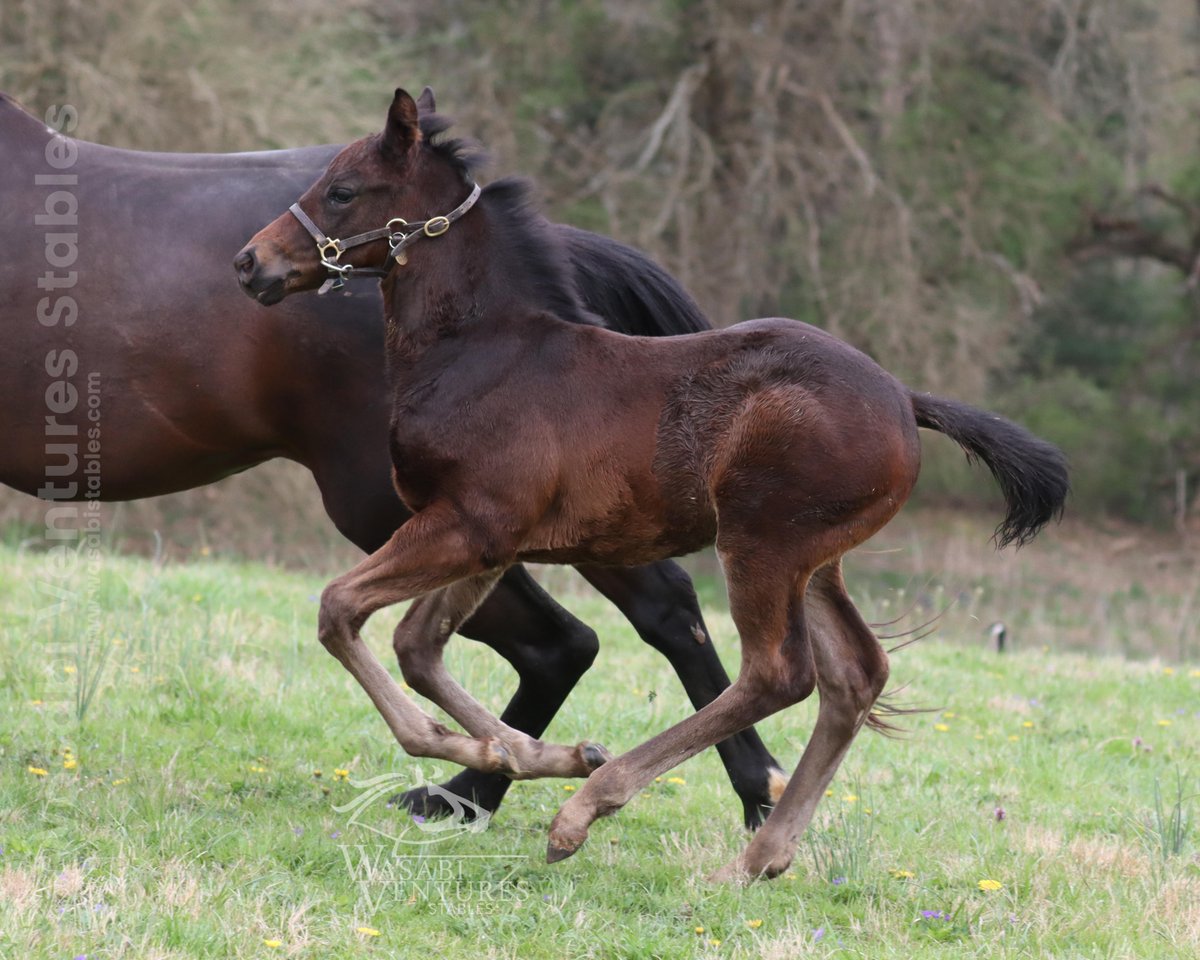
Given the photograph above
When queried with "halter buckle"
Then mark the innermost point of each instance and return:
(437, 226)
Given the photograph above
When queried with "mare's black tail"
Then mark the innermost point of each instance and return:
(1031, 472)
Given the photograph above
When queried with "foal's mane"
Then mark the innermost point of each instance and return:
(533, 251)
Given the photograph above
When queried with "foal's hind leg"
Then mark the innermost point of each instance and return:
(852, 669)
(420, 641)
(429, 552)
(776, 672)
(549, 649)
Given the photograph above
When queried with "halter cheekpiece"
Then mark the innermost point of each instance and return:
(399, 233)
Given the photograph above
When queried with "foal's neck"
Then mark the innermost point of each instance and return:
(494, 268)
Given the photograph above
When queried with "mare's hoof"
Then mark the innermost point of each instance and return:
(594, 755)
(756, 809)
(482, 793)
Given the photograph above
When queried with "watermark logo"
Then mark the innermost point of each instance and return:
(465, 816)
(404, 858)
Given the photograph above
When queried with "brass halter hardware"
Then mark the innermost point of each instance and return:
(398, 232)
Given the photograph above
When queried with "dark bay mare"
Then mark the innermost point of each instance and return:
(114, 274)
(524, 430)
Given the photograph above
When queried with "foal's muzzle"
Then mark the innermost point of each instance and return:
(256, 283)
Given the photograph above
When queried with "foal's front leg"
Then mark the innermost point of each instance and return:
(431, 551)
(772, 677)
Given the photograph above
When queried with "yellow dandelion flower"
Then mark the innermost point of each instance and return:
(699, 931)
(368, 931)
(35, 703)
(317, 774)
(1169, 671)
(569, 787)
(341, 774)
(196, 597)
(979, 736)
(988, 886)
(903, 874)
(714, 943)
(69, 669)
(117, 783)
(679, 781)
(829, 793)
(754, 924)
(658, 779)
(1013, 736)
(255, 768)
(272, 943)
(38, 771)
(1194, 673)
(135, 669)
(1164, 723)
(789, 876)
(942, 727)
(70, 763)
(850, 798)
(949, 715)
(1028, 724)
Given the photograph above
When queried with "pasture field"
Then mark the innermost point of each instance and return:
(160, 738)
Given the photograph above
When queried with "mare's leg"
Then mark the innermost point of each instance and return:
(777, 671)
(429, 552)
(660, 602)
(852, 669)
(550, 650)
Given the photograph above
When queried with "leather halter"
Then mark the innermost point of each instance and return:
(399, 234)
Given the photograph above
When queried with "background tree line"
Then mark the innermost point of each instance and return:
(998, 199)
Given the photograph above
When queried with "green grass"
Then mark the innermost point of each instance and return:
(186, 821)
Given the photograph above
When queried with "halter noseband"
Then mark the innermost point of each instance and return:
(399, 234)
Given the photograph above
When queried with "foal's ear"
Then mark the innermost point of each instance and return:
(403, 129)
(425, 101)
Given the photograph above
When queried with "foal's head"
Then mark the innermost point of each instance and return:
(376, 184)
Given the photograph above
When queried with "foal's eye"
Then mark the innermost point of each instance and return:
(340, 194)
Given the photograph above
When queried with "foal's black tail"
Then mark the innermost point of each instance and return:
(1031, 472)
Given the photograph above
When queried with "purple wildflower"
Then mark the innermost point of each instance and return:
(838, 881)
(335, 834)
(935, 915)
(818, 934)
(417, 818)
(1000, 814)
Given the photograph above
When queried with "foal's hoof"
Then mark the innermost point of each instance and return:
(566, 838)
(732, 873)
(555, 853)
(593, 756)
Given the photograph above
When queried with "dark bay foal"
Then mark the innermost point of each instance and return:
(523, 431)
(197, 382)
